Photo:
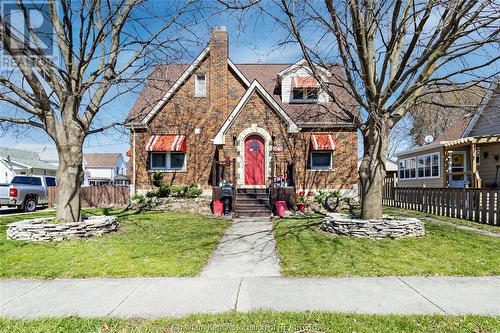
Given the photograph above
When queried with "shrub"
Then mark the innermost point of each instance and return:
(179, 190)
(152, 194)
(351, 202)
(164, 191)
(158, 179)
(138, 199)
(193, 192)
(330, 200)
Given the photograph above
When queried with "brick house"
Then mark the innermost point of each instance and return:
(257, 123)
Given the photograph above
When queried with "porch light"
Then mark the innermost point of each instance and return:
(234, 139)
(273, 137)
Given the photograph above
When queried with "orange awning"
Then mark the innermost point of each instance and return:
(169, 142)
(322, 141)
(304, 82)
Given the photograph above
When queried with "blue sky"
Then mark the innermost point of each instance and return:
(251, 38)
(256, 42)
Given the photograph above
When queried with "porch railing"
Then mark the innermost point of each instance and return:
(282, 173)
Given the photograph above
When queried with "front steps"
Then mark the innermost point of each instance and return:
(252, 202)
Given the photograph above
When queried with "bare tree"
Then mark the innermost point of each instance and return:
(102, 50)
(434, 113)
(391, 52)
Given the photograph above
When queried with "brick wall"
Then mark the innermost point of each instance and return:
(296, 147)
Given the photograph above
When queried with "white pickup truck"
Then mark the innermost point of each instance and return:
(26, 192)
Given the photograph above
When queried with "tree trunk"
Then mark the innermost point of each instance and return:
(372, 170)
(69, 181)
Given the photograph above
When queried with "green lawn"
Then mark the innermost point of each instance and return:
(148, 244)
(305, 250)
(263, 322)
(401, 211)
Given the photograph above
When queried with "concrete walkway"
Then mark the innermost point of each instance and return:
(246, 249)
(160, 297)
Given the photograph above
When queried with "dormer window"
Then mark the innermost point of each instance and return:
(305, 89)
(305, 94)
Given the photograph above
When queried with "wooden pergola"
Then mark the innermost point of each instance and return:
(470, 143)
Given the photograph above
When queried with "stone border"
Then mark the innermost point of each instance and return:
(41, 230)
(342, 224)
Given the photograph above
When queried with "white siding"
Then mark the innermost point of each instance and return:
(101, 172)
(6, 173)
(286, 85)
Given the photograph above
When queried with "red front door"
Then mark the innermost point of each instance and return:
(254, 160)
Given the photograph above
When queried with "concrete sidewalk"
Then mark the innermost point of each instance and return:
(159, 297)
(247, 249)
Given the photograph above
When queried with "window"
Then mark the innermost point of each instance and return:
(35, 181)
(424, 166)
(298, 93)
(21, 180)
(305, 94)
(117, 170)
(321, 160)
(312, 93)
(200, 86)
(435, 165)
(402, 168)
(50, 181)
(158, 161)
(421, 164)
(407, 168)
(175, 161)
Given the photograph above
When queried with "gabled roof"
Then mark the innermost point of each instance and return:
(28, 159)
(187, 73)
(463, 126)
(304, 115)
(101, 160)
(301, 64)
(160, 81)
(168, 78)
(488, 102)
(254, 87)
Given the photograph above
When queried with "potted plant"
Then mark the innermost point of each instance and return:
(301, 205)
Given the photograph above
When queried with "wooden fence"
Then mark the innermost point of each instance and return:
(97, 196)
(479, 205)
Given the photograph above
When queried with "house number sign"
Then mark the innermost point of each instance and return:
(278, 149)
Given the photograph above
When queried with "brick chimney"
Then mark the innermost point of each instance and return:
(218, 75)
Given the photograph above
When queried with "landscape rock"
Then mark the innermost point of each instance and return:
(200, 205)
(44, 230)
(342, 224)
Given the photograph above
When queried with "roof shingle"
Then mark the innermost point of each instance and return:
(101, 160)
(164, 76)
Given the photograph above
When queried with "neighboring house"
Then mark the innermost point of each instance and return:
(46, 152)
(22, 162)
(264, 120)
(105, 168)
(466, 154)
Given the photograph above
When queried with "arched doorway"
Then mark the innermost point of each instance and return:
(255, 160)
